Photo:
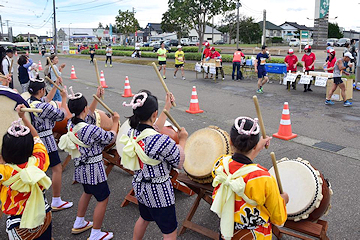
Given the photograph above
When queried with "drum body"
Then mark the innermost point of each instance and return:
(309, 192)
(202, 149)
(9, 99)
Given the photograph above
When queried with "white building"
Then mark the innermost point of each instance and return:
(194, 37)
(292, 30)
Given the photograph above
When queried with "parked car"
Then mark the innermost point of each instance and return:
(146, 44)
(184, 41)
(157, 46)
(342, 41)
(154, 43)
(305, 42)
(332, 41)
(294, 42)
(174, 42)
(194, 43)
(219, 42)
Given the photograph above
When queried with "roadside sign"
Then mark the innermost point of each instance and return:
(304, 34)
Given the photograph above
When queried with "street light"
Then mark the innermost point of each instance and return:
(238, 5)
(69, 31)
(29, 40)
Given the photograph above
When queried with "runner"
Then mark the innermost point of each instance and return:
(108, 55)
(179, 61)
(339, 66)
(260, 68)
(161, 53)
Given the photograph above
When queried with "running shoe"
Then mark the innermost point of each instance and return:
(329, 102)
(183, 78)
(105, 65)
(174, 76)
(110, 65)
(259, 91)
(164, 77)
(347, 103)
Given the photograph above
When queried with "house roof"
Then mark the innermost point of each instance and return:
(269, 26)
(208, 30)
(154, 26)
(27, 35)
(298, 26)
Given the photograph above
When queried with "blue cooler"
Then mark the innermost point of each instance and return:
(248, 62)
(278, 68)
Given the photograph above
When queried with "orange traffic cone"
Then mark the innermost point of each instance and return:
(127, 88)
(73, 75)
(194, 103)
(39, 52)
(40, 66)
(102, 80)
(285, 132)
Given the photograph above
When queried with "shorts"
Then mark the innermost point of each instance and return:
(165, 217)
(337, 80)
(54, 159)
(162, 63)
(179, 65)
(100, 191)
(262, 72)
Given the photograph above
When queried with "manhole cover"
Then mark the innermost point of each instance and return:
(328, 146)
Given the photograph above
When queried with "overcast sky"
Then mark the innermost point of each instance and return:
(81, 13)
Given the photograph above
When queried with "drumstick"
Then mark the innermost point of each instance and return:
(11, 65)
(261, 122)
(52, 66)
(52, 82)
(97, 74)
(103, 104)
(162, 81)
(31, 110)
(276, 170)
(172, 119)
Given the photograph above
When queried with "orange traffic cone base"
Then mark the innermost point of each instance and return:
(124, 95)
(194, 111)
(277, 135)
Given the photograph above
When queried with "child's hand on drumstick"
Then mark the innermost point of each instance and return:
(63, 93)
(59, 81)
(285, 196)
(168, 100)
(20, 113)
(100, 92)
(262, 143)
(115, 117)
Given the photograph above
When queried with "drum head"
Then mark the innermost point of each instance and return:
(8, 113)
(202, 149)
(26, 95)
(124, 129)
(300, 181)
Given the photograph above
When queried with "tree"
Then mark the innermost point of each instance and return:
(100, 25)
(196, 13)
(173, 22)
(249, 30)
(126, 22)
(229, 25)
(334, 31)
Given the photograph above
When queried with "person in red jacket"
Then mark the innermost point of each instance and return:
(217, 56)
(291, 62)
(330, 64)
(206, 53)
(309, 64)
(238, 55)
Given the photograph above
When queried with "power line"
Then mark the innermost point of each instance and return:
(80, 4)
(87, 8)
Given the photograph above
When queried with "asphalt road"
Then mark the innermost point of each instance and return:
(222, 102)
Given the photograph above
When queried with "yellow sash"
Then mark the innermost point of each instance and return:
(224, 201)
(133, 150)
(29, 180)
(69, 142)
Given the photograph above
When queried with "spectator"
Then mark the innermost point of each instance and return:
(43, 51)
(330, 64)
(206, 53)
(237, 59)
(291, 62)
(49, 72)
(6, 64)
(96, 46)
(328, 48)
(217, 56)
(108, 55)
(52, 50)
(92, 53)
(309, 64)
(23, 73)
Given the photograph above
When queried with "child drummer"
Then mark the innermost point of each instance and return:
(254, 201)
(29, 215)
(85, 142)
(44, 122)
(152, 155)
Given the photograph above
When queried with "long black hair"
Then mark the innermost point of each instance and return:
(242, 142)
(144, 112)
(17, 150)
(76, 106)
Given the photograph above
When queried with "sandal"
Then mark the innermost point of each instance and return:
(107, 236)
(83, 229)
(61, 207)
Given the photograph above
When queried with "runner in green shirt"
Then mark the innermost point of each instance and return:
(161, 53)
(179, 61)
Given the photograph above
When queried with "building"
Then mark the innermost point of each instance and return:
(352, 34)
(194, 37)
(34, 38)
(84, 35)
(272, 30)
(292, 30)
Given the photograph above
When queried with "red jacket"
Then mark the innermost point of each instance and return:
(237, 56)
(309, 59)
(291, 60)
(215, 55)
(207, 52)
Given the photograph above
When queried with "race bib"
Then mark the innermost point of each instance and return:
(262, 61)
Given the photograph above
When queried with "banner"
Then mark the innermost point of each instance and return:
(321, 8)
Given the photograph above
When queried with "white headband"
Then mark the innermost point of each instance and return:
(139, 102)
(23, 130)
(73, 95)
(255, 129)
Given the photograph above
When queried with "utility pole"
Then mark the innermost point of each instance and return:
(135, 35)
(263, 42)
(212, 31)
(2, 32)
(7, 24)
(55, 33)
(237, 25)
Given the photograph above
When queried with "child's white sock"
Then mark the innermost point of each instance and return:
(79, 222)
